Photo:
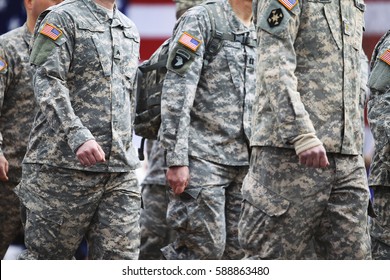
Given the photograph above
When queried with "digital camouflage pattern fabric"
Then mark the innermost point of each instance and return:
(307, 87)
(70, 119)
(212, 119)
(85, 61)
(17, 112)
(184, 5)
(155, 232)
(378, 116)
(206, 109)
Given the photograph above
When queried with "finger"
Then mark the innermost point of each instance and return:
(302, 160)
(102, 154)
(84, 160)
(3, 175)
(316, 162)
(324, 161)
(180, 189)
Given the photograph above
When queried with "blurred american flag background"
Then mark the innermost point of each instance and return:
(156, 18)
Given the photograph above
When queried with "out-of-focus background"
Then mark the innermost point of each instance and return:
(155, 20)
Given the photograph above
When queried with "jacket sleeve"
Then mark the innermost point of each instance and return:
(180, 85)
(277, 29)
(52, 59)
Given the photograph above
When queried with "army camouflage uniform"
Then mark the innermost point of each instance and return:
(85, 70)
(379, 180)
(17, 107)
(155, 232)
(206, 109)
(308, 87)
(184, 5)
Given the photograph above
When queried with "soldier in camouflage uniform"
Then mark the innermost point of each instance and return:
(378, 115)
(17, 111)
(79, 170)
(307, 177)
(184, 5)
(205, 129)
(155, 232)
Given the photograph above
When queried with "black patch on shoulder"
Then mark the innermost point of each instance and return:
(275, 17)
(180, 59)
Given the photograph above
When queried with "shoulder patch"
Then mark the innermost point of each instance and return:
(51, 31)
(289, 4)
(275, 17)
(189, 41)
(385, 57)
(3, 64)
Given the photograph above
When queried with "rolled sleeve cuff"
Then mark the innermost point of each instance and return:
(79, 137)
(305, 142)
(173, 159)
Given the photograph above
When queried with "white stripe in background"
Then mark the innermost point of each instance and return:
(158, 20)
(153, 20)
(377, 17)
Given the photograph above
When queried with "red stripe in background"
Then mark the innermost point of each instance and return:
(149, 45)
(369, 42)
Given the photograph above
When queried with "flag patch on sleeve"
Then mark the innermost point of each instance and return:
(386, 57)
(51, 31)
(3, 64)
(289, 4)
(189, 41)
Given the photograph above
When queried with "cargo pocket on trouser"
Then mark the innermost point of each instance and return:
(261, 209)
(42, 235)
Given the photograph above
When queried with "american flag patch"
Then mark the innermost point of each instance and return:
(289, 4)
(189, 41)
(386, 57)
(3, 64)
(51, 31)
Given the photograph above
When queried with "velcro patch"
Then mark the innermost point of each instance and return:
(51, 31)
(3, 64)
(275, 18)
(190, 41)
(289, 4)
(386, 57)
(180, 59)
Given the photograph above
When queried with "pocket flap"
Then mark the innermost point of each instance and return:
(263, 198)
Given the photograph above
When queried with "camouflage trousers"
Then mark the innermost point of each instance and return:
(380, 226)
(10, 222)
(287, 206)
(155, 232)
(62, 206)
(205, 216)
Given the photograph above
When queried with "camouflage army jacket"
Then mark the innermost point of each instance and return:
(309, 73)
(206, 105)
(379, 112)
(85, 71)
(17, 104)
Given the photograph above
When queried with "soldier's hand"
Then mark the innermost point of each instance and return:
(90, 153)
(3, 169)
(314, 157)
(178, 178)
